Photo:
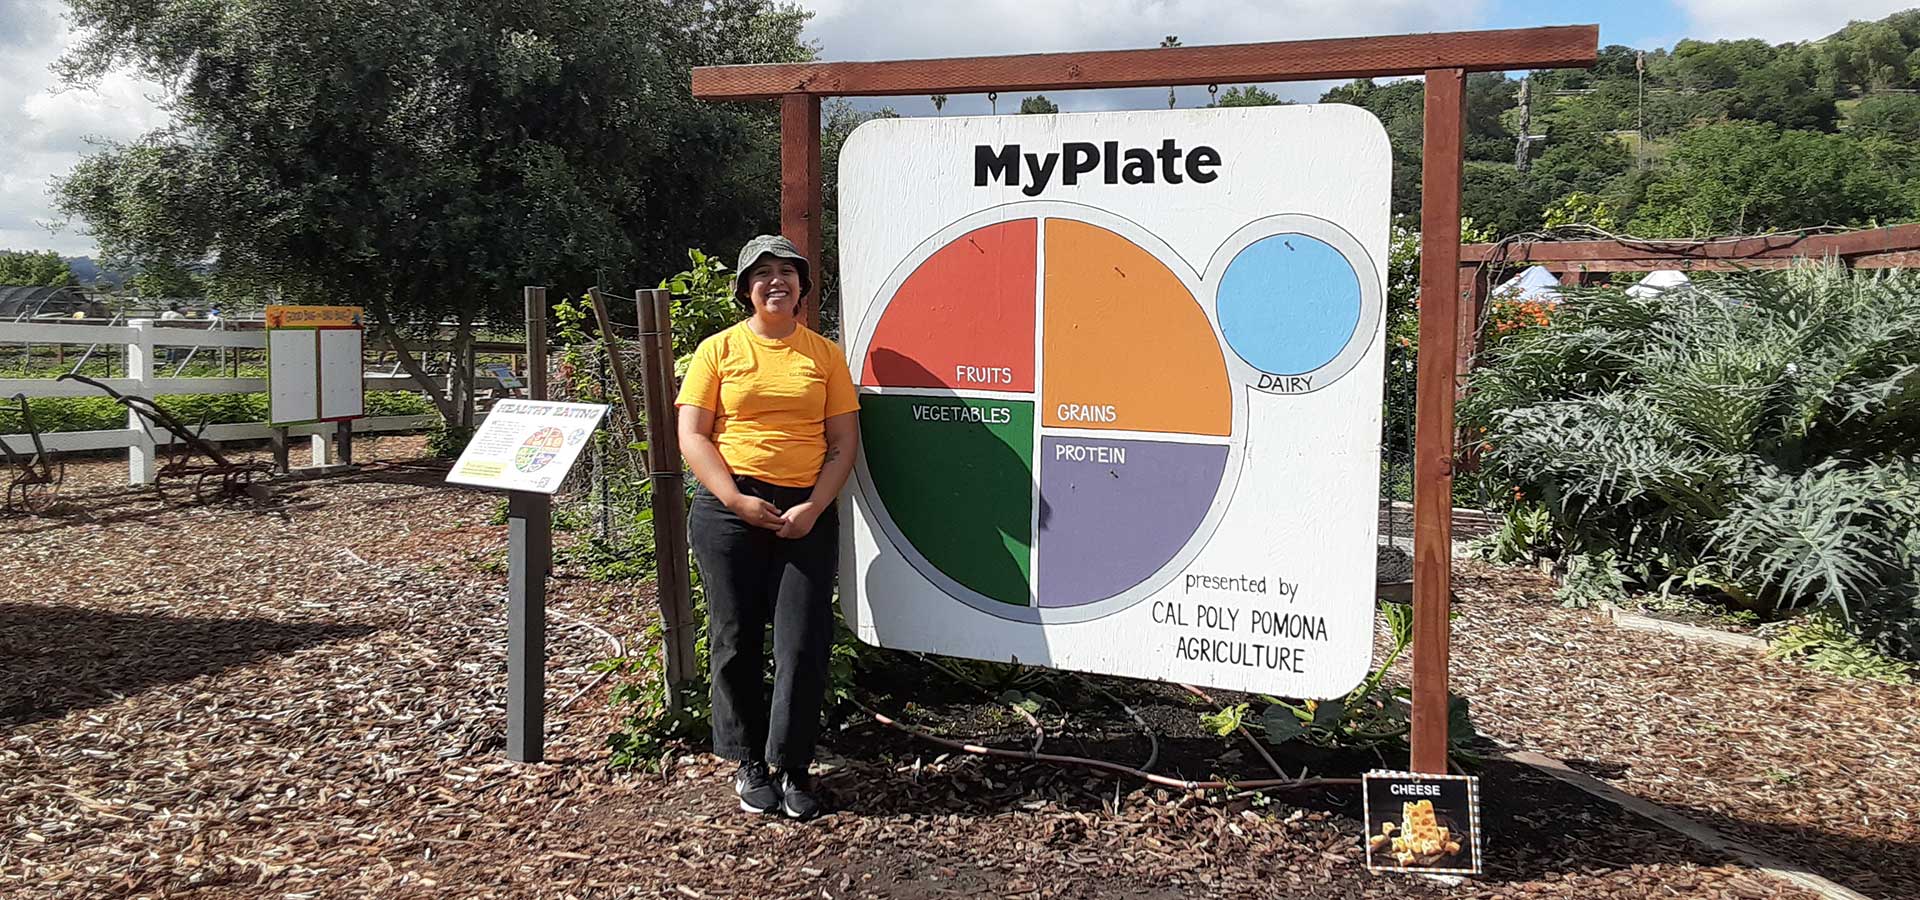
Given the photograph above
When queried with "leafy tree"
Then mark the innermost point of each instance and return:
(1583, 161)
(1581, 208)
(1869, 55)
(1892, 116)
(1489, 96)
(428, 160)
(1038, 104)
(1250, 95)
(42, 268)
(1744, 177)
(165, 280)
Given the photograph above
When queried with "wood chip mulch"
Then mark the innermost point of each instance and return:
(1815, 769)
(303, 699)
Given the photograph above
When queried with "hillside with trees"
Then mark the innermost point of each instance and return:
(1702, 139)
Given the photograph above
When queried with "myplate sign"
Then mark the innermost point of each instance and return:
(1120, 381)
(527, 445)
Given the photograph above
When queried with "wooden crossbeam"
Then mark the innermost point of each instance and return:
(1314, 60)
(1871, 246)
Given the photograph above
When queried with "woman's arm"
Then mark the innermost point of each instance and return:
(696, 445)
(843, 438)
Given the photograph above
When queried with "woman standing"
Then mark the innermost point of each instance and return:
(768, 425)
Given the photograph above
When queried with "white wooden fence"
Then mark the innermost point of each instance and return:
(140, 337)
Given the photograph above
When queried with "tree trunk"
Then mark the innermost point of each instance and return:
(462, 370)
(449, 410)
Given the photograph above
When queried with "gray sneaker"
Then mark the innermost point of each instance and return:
(755, 787)
(796, 795)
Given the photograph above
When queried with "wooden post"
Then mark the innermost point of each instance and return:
(620, 383)
(343, 442)
(800, 211)
(1433, 443)
(673, 580)
(529, 555)
(281, 445)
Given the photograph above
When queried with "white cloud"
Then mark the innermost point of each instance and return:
(50, 128)
(1779, 21)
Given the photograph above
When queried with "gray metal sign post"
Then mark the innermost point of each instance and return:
(529, 524)
(529, 557)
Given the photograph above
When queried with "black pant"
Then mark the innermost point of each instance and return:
(754, 578)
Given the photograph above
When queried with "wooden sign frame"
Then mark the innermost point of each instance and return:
(1444, 59)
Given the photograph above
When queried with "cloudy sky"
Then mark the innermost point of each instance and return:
(44, 129)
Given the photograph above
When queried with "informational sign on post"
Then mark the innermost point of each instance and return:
(313, 364)
(503, 373)
(527, 445)
(1120, 381)
(1422, 823)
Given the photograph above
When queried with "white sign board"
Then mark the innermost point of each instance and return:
(313, 364)
(527, 445)
(1120, 381)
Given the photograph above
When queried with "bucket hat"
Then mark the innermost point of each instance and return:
(769, 245)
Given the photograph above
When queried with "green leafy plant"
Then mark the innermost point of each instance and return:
(1591, 580)
(703, 302)
(52, 414)
(1525, 529)
(1369, 717)
(1754, 438)
(448, 441)
(1820, 639)
(1226, 721)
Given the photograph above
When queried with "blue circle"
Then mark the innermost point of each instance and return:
(1288, 303)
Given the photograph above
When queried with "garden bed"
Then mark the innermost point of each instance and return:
(304, 700)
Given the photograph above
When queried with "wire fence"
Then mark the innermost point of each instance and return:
(607, 497)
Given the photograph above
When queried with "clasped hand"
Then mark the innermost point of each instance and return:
(794, 523)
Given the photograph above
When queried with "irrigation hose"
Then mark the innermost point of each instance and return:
(1153, 740)
(1104, 766)
(1258, 748)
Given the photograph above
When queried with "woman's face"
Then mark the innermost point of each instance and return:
(773, 284)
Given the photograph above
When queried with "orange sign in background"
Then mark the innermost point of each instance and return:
(314, 317)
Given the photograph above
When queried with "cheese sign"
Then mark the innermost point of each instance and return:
(1422, 823)
(1119, 381)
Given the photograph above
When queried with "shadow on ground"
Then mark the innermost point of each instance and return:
(56, 659)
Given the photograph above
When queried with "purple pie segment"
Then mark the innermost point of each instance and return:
(1113, 511)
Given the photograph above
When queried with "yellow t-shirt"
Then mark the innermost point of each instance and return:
(770, 400)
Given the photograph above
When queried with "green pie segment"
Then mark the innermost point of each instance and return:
(955, 474)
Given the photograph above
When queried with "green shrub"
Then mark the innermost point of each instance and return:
(51, 414)
(448, 441)
(1591, 580)
(1754, 436)
(1820, 639)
